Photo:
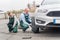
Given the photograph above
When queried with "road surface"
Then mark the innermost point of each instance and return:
(28, 35)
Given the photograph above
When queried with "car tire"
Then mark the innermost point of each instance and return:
(35, 28)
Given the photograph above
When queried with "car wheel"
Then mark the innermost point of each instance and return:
(35, 28)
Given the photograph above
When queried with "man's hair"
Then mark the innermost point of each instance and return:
(26, 9)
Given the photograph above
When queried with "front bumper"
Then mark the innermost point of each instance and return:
(52, 25)
(48, 21)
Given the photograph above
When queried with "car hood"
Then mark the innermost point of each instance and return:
(53, 6)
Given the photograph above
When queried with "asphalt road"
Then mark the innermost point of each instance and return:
(49, 34)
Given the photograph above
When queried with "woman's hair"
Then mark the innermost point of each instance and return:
(8, 13)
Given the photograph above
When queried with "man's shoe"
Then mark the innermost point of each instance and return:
(25, 29)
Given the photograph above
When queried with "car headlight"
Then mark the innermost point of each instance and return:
(42, 11)
(40, 21)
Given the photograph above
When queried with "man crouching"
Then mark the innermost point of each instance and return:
(25, 20)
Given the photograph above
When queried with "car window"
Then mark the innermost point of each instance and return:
(48, 2)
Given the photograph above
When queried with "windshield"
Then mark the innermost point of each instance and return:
(47, 2)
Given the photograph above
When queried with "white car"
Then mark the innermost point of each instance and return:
(47, 15)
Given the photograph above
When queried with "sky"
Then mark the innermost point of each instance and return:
(6, 5)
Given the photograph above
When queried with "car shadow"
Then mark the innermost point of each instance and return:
(52, 32)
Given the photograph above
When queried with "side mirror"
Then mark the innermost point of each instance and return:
(37, 5)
